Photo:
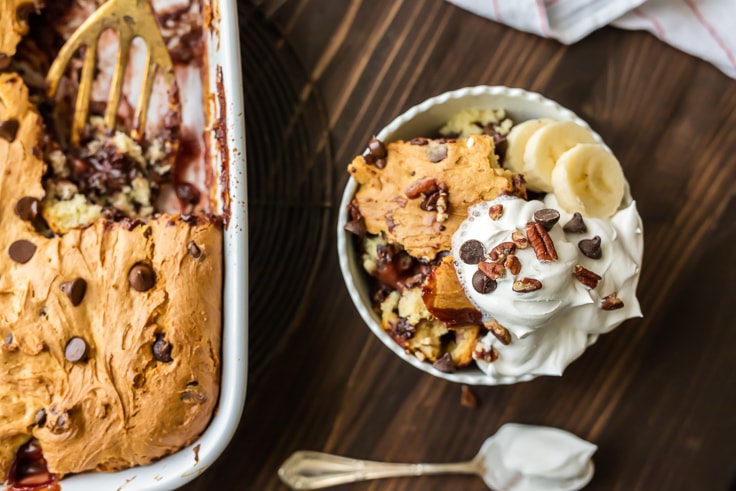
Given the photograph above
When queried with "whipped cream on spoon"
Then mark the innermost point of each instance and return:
(517, 458)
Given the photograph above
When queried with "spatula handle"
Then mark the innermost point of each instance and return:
(316, 470)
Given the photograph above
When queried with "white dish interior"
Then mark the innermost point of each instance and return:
(422, 120)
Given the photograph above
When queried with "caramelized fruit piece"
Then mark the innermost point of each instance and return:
(445, 298)
(29, 472)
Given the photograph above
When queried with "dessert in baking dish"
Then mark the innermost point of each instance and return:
(110, 265)
(506, 247)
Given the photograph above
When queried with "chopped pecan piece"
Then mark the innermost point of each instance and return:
(442, 205)
(541, 242)
(423, 186)
(492, 270)
(481, 353)
(468, 397)
(519, 239)
(525, 285)
(513, 264)
(419, 141)
(612, 302)
(495, 211)
(586, 276)
(518, 187)
(502, 251)
(501, 333)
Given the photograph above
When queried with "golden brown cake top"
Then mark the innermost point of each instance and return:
(13, 25)
(420, 192)
(109, 335)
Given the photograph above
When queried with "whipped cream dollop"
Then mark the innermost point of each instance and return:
(552, 325)
(536, 458)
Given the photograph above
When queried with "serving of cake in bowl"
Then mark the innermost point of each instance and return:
(487, 236)
(112, 262)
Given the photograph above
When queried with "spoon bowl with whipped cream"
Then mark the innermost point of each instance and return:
(488, 236)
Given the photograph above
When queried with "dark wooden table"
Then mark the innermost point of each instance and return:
(658, 394)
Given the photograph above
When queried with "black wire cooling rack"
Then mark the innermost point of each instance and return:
(289, 181)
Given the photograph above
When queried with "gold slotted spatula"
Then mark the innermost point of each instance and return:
(129, 19)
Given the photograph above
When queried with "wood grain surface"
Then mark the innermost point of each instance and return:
(657, 395)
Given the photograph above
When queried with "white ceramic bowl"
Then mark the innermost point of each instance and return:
(422, 120)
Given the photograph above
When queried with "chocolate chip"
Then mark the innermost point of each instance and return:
(547, 217)
(9, 339)
(162, 349)
(445, 364)
(62, 423)
(377, 148)
(576, 225)
(4, 61)
(436, 152)
(9, 129)
(141, 277)
(472, 251)
(40, 417)
(27, 208)
(591, 247)
(482, 283)
(75, 290)
(194, 250)
(370, 159)
(21, 251)
(76, 350)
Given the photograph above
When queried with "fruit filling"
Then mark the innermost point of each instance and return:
(29, 472)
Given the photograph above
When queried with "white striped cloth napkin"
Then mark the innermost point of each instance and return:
(703, 28)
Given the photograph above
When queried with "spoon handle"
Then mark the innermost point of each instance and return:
(316, 470)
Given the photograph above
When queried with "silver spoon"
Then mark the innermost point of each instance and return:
(518, 457)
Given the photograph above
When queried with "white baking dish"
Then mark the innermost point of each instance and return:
(177, 469)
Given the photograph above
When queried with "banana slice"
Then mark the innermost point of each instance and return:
(545, 146)
(589, 179)
(516, 143)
